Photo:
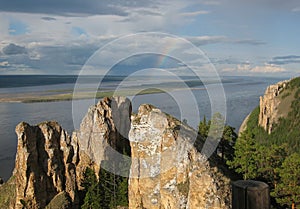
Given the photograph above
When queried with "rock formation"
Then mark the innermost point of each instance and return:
(268, 115)
(49, 162)
(45, 165)
(166, 170)
(103, 133)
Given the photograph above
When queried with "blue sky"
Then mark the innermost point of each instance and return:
(240, 37)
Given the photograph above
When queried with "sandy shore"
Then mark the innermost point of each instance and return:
(61, 95)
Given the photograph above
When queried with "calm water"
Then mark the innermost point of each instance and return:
(242, 96)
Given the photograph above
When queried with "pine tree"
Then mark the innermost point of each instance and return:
(107, 186)
(245, 156)
(269, 160)
(288, 190)
(227, 142)
(93, 195)
(122, 195)
(203, 127)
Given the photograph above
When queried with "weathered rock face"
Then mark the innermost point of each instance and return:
(49, 162)
(103, 133)
(45, 165)
(166, 170)
(268, 115)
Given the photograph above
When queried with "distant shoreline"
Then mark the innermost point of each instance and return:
(67, 95)
(59, 96)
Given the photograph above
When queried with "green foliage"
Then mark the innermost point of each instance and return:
(287, 130)
(227, 142)
(203, 127)
(268, 160)
(89, 179)
(228, 138)
(93, 195)
(273, 158)
(245, 161)
(287, 191)
(110, 191)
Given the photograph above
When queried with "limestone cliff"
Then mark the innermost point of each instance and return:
(269, 103)
(45, 165)
(103, 133)
(50, 163)
(167, 171)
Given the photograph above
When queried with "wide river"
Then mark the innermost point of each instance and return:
(242, 96)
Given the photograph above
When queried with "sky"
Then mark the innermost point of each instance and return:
(238, 37)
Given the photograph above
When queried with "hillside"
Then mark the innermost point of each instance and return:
(268, 147)
(282, 120)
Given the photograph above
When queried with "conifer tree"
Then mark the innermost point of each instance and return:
(287, 192)
(93, 193)
(245, 156)
(227, 142)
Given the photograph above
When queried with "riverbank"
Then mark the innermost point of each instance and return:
(66, 95)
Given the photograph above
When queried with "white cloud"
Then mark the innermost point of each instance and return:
(268, 68)
(4, 64)
(247, 68)
(196, 13)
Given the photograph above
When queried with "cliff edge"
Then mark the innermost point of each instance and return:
(269, 105)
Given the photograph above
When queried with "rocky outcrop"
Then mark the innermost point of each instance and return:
(103, 134)
(45, 165)
(166, 170)
(268, 115)
(49, 162)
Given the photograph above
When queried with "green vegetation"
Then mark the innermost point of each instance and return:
(8, 193)
(287, 130)
(244, 156)
(110, 191)
(288, 190)
(228, 139)
(273, 158)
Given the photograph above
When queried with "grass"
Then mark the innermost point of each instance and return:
(286, 100)
(8, 193)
